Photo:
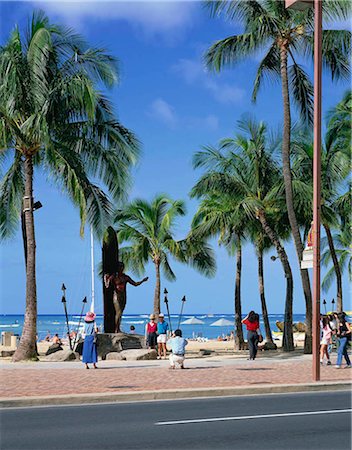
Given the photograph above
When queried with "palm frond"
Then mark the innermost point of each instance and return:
(11, 194)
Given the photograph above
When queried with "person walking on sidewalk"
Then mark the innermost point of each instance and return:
(90, 354)
(178, 349)
(344, 337)
(252, 324)
(325, 340)
(162, 329)
(150, 331)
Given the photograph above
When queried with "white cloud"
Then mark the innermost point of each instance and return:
(150, 17)
(163, 111)
(193, 72)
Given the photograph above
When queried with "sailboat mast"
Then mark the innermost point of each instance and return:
(92, 269)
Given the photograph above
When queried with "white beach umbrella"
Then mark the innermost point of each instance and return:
(222, 323)
(193, 321)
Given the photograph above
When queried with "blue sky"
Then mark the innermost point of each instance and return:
(174, 106)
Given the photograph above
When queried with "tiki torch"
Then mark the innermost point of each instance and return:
(183, 301)
(63, 300)
(84, 301)
(166, 301)
(324, 303)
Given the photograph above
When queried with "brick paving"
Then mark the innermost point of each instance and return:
(22, 381)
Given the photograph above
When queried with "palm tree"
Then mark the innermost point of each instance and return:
(343, 249)
(283, 34)
(54, 117)
(262, 243)
(335, 168)
(245, 170)
(219, 215)
(149, 228)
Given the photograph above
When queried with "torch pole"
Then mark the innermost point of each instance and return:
(63, 300)
(182, 305)
(84, 301)
(166, 301)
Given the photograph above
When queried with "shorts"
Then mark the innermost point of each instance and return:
(162, 339)
(324, 342)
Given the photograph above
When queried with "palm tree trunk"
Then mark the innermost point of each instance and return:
(287, 342)
(286, 164)
(157, 289)
(27, 348)
(335, 261)
(239, 341)
(268, 335)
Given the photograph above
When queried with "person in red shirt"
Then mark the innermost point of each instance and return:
(151, 332)
(252, 323)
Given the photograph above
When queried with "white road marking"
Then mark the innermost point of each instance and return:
(260, 416)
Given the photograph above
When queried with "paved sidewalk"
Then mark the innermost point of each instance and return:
(44, 379)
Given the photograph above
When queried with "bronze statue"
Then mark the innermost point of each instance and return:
(118, 282)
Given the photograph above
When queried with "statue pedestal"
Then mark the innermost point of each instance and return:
(118, 342)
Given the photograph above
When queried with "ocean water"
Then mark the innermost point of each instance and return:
(57, 324)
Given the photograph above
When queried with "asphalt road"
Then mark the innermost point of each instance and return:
(292, 421)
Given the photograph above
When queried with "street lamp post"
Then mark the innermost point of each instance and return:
(301, 5)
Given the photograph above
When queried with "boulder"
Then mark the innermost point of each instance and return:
(53, 349)
(114, 356)
(64, 355)
(137, 355)
(6, 353)
(205, 352)
(269, 346)
(118, 342)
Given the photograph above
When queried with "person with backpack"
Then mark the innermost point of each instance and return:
(253, 333)
(344, 337)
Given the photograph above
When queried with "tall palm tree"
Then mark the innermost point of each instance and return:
(284, 35)
(335, 168)
(244, 169)
(219, 215)
(343, 250)
(53, 116)
(149, 230)
(262, 243)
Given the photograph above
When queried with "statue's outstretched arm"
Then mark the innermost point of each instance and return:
(136, 283)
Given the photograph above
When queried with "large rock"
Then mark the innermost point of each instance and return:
(7, 353)
(118, 342)
(269, 346)
(53, 349)
(64, 355)
(114, 356)
(137, 355)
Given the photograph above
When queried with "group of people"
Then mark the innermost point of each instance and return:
(157, 334)
(335, 330)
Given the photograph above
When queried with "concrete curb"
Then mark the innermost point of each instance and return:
(171, 394)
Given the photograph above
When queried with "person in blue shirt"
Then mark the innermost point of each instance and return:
(162, 329)
(178, 348)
